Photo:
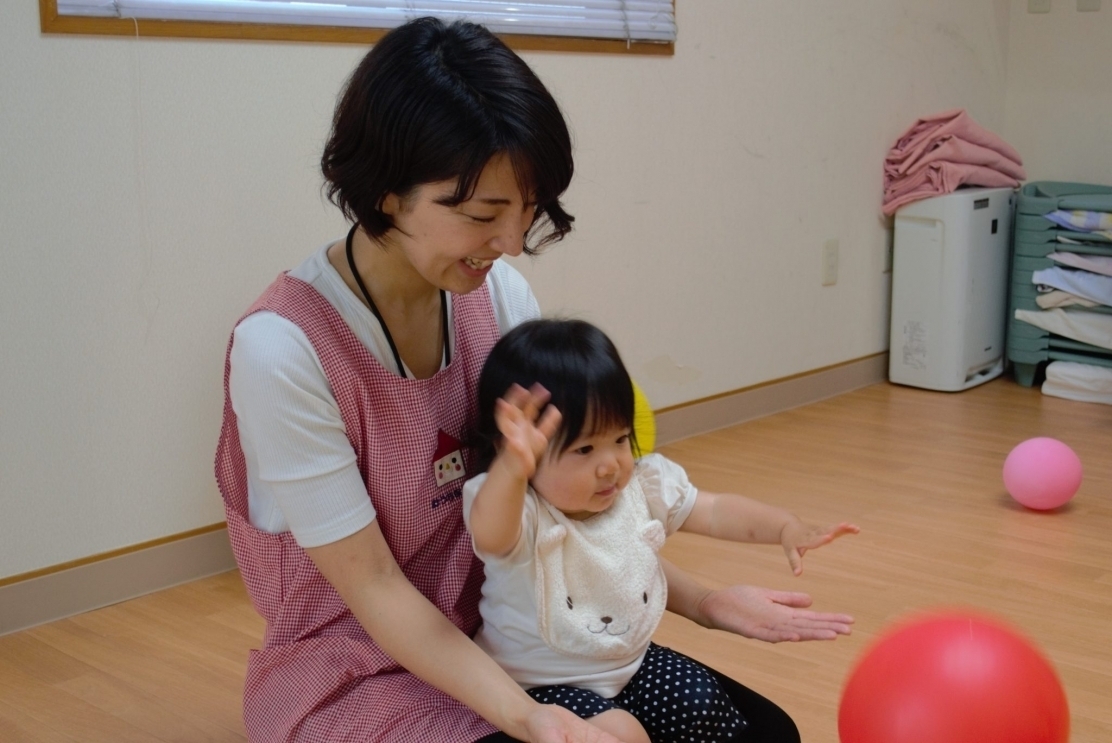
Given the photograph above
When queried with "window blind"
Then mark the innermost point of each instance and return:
(634, 20)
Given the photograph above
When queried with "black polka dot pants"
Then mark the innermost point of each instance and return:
(673, 697)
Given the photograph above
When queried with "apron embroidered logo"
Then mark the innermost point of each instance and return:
(441, 500)
(447, 464)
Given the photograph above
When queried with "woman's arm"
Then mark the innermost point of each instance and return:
(739, 519)
(414, 633)
(750, 611)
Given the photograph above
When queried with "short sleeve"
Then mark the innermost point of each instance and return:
(523, 550)
(511, 297)
(301, 466)
(670, 495)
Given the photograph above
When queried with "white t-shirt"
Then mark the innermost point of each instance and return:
(302, 475)
(510, 633)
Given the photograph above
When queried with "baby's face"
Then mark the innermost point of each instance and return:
(586, 477)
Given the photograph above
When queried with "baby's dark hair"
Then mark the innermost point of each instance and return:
(572, 359)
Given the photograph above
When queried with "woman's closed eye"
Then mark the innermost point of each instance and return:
(484, 220)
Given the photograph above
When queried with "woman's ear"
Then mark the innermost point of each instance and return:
(391, 204)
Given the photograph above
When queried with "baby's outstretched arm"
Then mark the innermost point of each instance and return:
(799, 537)
(496, 513)
(740, 519)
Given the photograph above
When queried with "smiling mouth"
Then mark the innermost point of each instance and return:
(477, 263)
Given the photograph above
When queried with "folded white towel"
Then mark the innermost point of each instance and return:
(1081, 382)
(1094, 328)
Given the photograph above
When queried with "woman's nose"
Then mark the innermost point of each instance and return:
(510, 240)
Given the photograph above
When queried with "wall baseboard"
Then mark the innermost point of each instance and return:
(90, 586)
(731, 408)
(100, 582)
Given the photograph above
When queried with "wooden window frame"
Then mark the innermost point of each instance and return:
(52, 23)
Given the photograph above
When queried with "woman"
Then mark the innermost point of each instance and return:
(354, 376)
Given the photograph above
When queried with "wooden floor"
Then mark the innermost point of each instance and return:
(918, 471)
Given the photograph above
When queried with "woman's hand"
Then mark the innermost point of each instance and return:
(553, 724)
(749, 611)
(772, 616)
(797, 537)
(525, 431)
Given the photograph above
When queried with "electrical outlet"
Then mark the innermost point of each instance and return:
(830, 262)
(1038, 6)
(1090, 5)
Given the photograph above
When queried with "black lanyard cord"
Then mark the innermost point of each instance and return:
(378, 315)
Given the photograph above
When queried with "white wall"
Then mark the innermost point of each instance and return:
(1059, 102)
(149, 190)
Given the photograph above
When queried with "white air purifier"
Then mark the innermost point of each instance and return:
(950, 289)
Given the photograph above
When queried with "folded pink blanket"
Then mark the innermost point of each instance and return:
(955, 150)
(939, 153)
(941, 178)
(955, 122)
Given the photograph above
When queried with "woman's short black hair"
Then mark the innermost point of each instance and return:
(572, 359)
(434, 102)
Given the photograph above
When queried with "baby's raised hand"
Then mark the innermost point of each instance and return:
(525, 430)
(798, 537)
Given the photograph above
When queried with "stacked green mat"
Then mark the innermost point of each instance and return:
(1033, 239)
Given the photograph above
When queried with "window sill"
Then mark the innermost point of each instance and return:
(52, 23)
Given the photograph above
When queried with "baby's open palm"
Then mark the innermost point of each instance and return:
(525, 429)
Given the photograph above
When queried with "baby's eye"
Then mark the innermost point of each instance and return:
(585, 449)
(623, 438)
(569, 603)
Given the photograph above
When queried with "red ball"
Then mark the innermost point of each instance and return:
(953, 678)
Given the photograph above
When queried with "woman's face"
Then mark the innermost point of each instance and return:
(454, 247)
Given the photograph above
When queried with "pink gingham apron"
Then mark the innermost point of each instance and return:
(319, 676)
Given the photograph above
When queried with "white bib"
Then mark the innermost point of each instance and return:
(600, 588)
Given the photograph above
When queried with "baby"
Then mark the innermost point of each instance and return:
(568, 524)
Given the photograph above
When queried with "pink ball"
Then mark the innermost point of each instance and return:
(1042, 473)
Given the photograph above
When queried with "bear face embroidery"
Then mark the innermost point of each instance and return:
(606, 624)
